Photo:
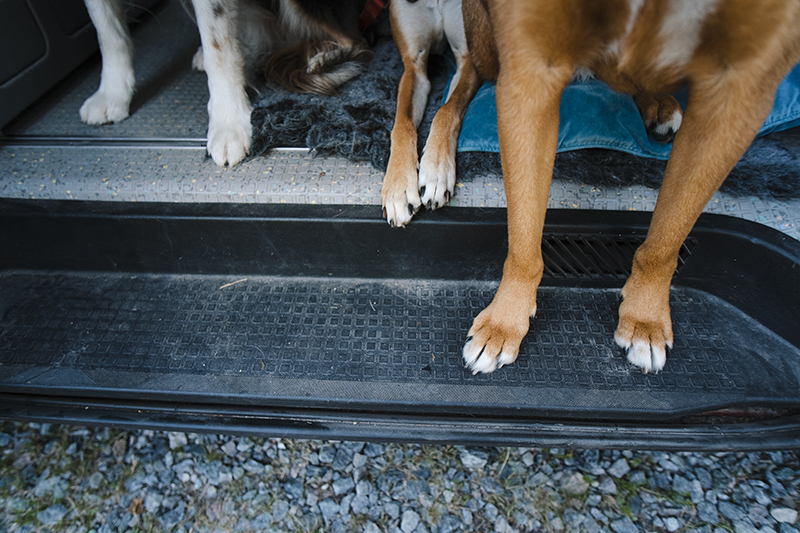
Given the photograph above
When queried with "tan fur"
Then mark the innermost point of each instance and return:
(744, 49)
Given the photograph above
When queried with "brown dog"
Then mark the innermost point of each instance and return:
(732, 55)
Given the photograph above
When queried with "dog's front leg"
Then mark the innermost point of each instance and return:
(229, 129)
(437, 169)
(413, 35)
(111, 102)
(528, 96)
(724, 113)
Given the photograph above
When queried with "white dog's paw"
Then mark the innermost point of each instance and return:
(437, 178)
(197, 60)
(103, 107)
(649, 357)
(400, 206)
(229, 138)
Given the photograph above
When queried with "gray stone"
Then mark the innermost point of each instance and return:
(572, 519)
(591, 526)
(538, 479)
(758, 514)
(573, 483)
(343, 485)
(370, 527)
(624, 525)
(177, 439)
(731, 511)
(254, 467)
(152, 502)
(744, 526)
(294, 488)
(491, 486)
(229, 448)
(359, 460)
(172, 518)
(364, 488)
(392, 509)
(490, 512)
(704, 477)
(409, 521)
(261, 522)
(345, 453)
(594, 500)
(95, 480)
(619, 468)
(280, 510)
(327, 454)
(672, 524)
(474, 459)
(329, 509)
(52, 515)
(707, 512)
(360, 504)
(784, 515)
(607, 485)
(696, 492)
(450, 524)
(501, 525)
(681, 485)
(211, 471)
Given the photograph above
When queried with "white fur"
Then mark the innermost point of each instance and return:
(241, 31)
(480, 363)
(673, 124)
(229, 130)
(111, 102)
(649, 358)
(680, 31)
(634, 7)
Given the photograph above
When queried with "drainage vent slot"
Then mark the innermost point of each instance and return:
(568, 256)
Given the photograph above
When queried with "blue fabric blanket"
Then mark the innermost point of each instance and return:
(593, 116)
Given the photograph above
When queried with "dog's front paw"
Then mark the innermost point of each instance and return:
(645, 343)
(229, 138)
(103, 107)
(400, 196)
(495, 336)
(662, 116)
(645, 333)
(437, 178)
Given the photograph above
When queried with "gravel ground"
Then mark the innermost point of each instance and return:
(78, 479)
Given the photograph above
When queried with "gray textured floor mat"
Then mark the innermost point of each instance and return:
(170, 98)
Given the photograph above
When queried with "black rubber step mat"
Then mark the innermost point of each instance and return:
(324, 322)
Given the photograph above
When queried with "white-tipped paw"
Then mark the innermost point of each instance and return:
(649, 356)
(229, 138)
(400, 197)
(437, 178)
(400, 209)
(103, 108)
(479, 359)
(668, 128)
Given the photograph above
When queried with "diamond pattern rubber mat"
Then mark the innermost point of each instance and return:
(326, 309)
(383, 343)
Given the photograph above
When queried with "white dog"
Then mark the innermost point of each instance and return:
(235, 33)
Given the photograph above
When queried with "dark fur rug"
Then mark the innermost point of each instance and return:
(357, 124)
